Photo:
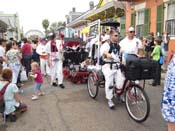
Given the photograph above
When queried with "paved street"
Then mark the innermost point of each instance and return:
(71, 109)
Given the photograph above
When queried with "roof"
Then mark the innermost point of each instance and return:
(115, 4)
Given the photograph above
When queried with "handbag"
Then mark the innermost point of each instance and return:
(2, 102)
(161, 60)
(23, 75)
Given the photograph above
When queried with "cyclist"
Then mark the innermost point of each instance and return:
(110, 51)
(130, 45)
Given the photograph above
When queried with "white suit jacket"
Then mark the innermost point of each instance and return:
(59, 47)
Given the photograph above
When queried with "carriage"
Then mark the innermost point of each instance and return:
(74, 55)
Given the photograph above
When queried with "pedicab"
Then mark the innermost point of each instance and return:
(136, 100)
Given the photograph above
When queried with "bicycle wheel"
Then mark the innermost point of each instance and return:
(92, 85)
(137, 103)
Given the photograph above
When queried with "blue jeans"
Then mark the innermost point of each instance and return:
(37, 87)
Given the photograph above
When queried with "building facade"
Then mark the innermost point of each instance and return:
(155, 16)
(9, 26)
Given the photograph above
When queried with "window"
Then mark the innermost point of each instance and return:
(170, 22)
(140, 23)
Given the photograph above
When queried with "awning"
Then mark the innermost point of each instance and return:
(85, 30)
(115, 4)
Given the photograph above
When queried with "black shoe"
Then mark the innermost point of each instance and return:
(54, 84)
(11, 118)
(153, 84)
(62, 86)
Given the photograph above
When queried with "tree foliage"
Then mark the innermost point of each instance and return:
(45, 24)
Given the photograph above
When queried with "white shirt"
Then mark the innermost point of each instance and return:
(55, 55)
(10, 102)
(41, 49)
(130, 46)
(2, 52)
(105, 48)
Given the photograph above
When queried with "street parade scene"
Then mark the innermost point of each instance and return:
(92, 65)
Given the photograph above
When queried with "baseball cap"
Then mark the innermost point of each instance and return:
(131, 29)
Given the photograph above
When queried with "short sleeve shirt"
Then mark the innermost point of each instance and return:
(156, 53)
(130, 46)
(39, 78)
(10, 102)
(13, 57)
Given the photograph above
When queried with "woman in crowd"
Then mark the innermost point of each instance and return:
(13, 57)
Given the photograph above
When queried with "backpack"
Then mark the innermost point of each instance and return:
(113, 48)
(2, 103)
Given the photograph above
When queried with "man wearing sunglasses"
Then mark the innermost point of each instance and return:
(130, 45)
(110, 51)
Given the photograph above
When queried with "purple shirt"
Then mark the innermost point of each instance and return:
(39, 78)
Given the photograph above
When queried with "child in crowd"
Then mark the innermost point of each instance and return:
(36, 74)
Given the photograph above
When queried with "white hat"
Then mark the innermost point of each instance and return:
(131, 29)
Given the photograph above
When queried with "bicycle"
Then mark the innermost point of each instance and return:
(136, 100)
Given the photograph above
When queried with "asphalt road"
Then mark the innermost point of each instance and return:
(71, 109)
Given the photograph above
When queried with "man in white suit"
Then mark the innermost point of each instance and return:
(54, 49)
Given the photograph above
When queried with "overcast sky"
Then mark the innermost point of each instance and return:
(32, 12)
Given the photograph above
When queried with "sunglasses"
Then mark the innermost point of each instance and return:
(132, 32)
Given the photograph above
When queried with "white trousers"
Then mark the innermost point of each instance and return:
(56, 71)
(15, 69)
(112, 75)
(44, 66)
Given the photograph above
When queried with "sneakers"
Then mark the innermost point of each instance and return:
(41, 94)
(35, 97)
(122, 98)
(62, 86)
(111, 104)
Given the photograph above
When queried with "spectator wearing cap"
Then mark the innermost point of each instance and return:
(41, 50)
(156, 56)
(130, 45)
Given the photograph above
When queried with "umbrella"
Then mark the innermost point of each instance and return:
(110, 23)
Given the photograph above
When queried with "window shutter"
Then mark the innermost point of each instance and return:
(122, 29)
(133, 19)
(146, 22)
(159, 22)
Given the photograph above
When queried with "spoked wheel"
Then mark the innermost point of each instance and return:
(92, 85)
(137, 103)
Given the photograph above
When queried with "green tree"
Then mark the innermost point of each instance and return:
(53, 27)
(45, 24)
(56, 25)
